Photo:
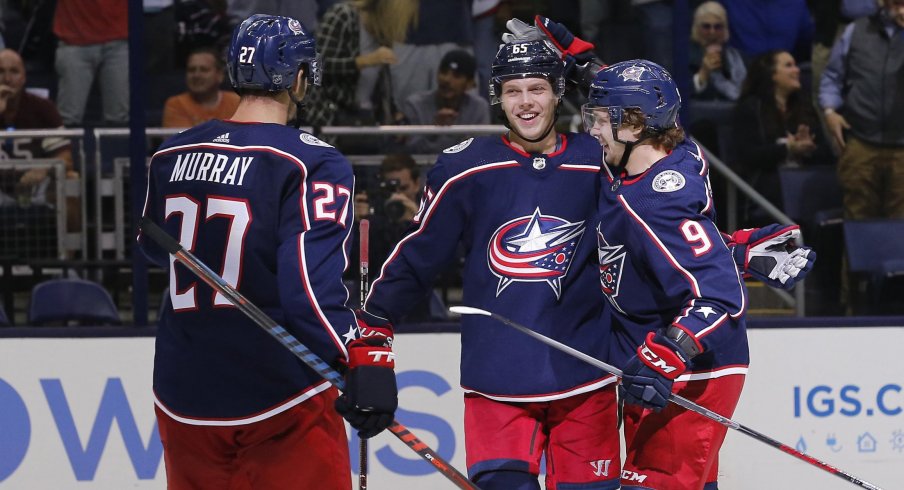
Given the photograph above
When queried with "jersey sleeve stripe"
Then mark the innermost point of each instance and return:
(431, 208)
(708, 330)
(584, 168)
(306, 283)
(712, 374)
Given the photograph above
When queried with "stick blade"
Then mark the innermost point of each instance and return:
(469, 310)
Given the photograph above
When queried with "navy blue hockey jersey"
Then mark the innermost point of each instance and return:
(663, 262)
(268, 208)
(525, 222)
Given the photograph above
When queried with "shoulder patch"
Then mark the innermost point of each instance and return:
(312, 140)
(457, 148)
(668, 181)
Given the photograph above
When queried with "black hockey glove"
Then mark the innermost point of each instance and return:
(648, 377)
(371, 396)
(771, 255)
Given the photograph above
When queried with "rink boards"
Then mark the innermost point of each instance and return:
(78, 412)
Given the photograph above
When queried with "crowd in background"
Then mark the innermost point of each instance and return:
(769, 84)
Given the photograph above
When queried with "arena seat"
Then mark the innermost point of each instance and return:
(874, 249)
(68, 301)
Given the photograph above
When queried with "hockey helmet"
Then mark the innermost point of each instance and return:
(528, 59)
(267, 52)
(638, 84)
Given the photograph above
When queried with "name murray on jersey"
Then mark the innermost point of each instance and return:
(210, 167)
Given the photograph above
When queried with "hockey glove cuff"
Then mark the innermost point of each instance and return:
(563, 39)
(648, 377)
(371, 325)
(371, 395)
(581, 64)
(771, 255)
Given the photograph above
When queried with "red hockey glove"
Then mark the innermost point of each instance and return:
(581, 63)
(371, 325)
(564, 40)
(371, 395)
(648, 377)
(771, 255)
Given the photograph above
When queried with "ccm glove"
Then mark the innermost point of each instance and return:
(370, 397)
(648, 377)
(581, 63)
(771, 255)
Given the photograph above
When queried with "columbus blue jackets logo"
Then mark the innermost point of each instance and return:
(612, 261)
(535, 248)
(632, 73)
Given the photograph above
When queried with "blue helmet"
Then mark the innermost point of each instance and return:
(638, 84)
(267, 52)
(527, 59)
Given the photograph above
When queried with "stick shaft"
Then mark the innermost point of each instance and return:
(288, 340)
(684, 402)
(363, 259)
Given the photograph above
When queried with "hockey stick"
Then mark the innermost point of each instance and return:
(363, 248)
(288, 340)
(676, 399)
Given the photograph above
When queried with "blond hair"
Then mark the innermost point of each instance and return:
(705, 9)
(388, 20)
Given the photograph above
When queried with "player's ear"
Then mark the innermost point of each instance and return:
(301, 83)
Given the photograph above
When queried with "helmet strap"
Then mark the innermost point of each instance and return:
(299, 105)
(629, 145)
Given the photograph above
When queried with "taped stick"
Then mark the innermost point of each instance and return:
(288, 340)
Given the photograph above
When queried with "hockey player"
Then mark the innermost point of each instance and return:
(268, 207)
(521, 204)
(678, 301)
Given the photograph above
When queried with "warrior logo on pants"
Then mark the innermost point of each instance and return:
(535, 248)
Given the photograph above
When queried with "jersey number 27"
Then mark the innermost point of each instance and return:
(238, 212)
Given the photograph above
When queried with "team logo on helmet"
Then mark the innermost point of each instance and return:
(535, 248)
(633, 73)
(295, 26)
(612, 260)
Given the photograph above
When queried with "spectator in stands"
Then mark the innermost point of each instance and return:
(718, 68)
(485, 16)
(758, 26)
(204, 100)
(22, 110)
(772, 127)
(861, 94)
(202, 23)
(452, 102)
(305, 11)
(390, 205)
(441, 27)
(355, 39)
(829, 21)
(396, 199)
(93, 43)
